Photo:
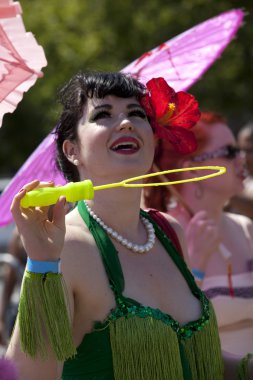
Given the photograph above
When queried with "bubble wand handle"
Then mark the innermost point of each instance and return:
(76, 191)
(46, 196)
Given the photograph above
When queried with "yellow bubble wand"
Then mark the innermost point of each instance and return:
(76, 191)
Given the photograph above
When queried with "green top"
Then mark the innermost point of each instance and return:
(139, 342)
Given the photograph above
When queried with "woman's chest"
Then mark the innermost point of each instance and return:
(152, 280)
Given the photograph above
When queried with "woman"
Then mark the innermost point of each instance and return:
(126, 324)
(13, 273)
(219, 244)
(242, 203)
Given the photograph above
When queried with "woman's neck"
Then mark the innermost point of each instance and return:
(213, 204)
(119, 208)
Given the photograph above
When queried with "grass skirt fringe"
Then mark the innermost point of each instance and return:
(205, 363)
(144, 348)
(43, 316)
(147, 348)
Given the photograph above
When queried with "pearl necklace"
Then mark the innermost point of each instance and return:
(137, 248)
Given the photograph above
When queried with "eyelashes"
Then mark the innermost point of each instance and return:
(106, 114)
(139, 113)
(100, 115)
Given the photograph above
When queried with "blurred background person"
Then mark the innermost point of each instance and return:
(14, 262)
(242, 203)
(219, 243)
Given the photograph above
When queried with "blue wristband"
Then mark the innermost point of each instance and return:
(37, 266)
(198, 274)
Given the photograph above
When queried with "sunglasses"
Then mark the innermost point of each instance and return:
(228, 151)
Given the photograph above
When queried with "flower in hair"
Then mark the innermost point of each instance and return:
(171, 114)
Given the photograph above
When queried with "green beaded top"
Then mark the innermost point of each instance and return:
(183, 331)
(95, 356)
(130, 307)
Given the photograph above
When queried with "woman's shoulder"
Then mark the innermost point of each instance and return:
(79, 253)
(242, 227)
(238, 219)
(76, 230)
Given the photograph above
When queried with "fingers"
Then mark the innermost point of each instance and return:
(45, 184)
(15, 205)
(59, 212)
(200, 215)
(18, 212)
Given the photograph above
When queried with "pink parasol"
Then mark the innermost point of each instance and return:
(21, 58)
(181, 61)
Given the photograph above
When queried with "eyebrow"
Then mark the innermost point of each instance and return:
(109, 106)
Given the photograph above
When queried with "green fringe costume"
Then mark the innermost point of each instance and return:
(135, 342)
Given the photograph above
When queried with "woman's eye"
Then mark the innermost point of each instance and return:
(101, 115)
(138, 113)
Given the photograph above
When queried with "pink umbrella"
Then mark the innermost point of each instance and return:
(181, 61)
(21, 58)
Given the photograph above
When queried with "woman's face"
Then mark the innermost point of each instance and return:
(245, 142)
(221, 143)
(115, 140)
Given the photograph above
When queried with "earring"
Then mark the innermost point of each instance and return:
(76, 162)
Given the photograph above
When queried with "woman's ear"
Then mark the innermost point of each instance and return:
(71, 151)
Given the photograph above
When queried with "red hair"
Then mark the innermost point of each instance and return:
(166, 158)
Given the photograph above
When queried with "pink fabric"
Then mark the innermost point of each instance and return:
(40, 165)
(21, 58)
(184, 59)
(8, 10)
(181, 61)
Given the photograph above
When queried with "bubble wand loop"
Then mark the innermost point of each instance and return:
(220, 170)
(75, 191)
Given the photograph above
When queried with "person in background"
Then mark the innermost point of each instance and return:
(12, 277)
(220, 244)
(242, 203)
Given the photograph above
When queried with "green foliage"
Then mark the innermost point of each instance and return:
(107, 35)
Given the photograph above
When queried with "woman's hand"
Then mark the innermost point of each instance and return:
(42, 235)
(203, 239)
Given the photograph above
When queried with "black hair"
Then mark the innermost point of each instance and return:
(73, 97)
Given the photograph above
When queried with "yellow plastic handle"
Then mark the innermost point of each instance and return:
(46, 196)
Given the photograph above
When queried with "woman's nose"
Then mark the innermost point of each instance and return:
(125, 125)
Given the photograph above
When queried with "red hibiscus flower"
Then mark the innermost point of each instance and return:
(171, 114)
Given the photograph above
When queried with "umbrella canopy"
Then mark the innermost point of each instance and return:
(181, 61)
(21, 58)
